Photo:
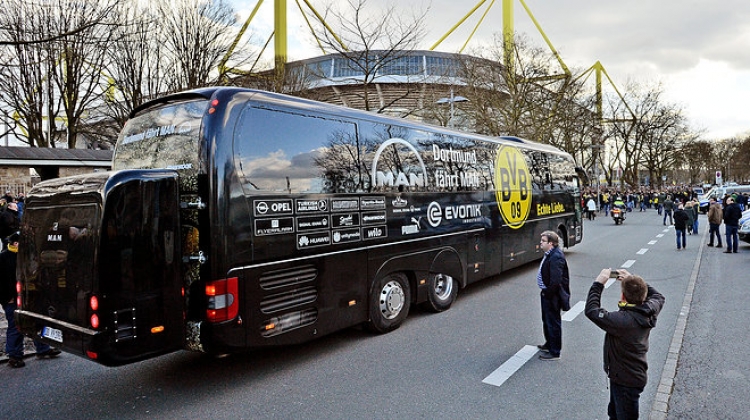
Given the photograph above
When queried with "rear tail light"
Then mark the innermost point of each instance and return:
(223, 302)
(19, 289)
(94, 314)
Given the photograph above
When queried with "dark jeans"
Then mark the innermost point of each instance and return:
(552, 324)
(668, 213)
(714, 230)
(623, 402)
(732, 237)
(14, 343)
(680, 234)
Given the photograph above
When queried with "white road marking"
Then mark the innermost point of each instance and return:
(507, 369)
(574, 311)
(653, 242)
(661, 235)
(511, 366)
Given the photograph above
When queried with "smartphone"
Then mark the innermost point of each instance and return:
(613, 274)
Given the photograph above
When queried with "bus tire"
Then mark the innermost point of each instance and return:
(390, 298)
(442, 290)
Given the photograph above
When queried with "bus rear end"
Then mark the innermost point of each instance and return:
(99, 265)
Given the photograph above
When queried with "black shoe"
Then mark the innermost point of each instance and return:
(710, 244)
(16, 363)
(52, 352)
(727, 252)
(548, 356)
(542, 348)
(720, 246)
(734, 252)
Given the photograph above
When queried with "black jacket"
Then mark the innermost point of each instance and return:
(680, 219)
(8, 223)
(555, 275)
(732, 214)
(626, 338)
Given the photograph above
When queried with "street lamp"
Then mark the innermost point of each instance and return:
(451, 101)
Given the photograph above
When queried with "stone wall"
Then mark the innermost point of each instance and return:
(14, 179)
(18, 179)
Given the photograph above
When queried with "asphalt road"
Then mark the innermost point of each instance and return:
(447, 365)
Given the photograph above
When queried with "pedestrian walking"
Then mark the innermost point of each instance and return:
(691, 217)
(680, 224)
(668, 209)
(591, 208)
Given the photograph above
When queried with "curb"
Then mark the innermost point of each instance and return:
(660, 406)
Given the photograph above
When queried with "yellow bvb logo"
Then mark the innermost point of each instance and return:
(513, 183)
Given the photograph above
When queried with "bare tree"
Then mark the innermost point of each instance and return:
(371, 44)
(102, 17)
(137, 62)
(533, 100)
(79, 77)
(49, 84)
(694, 160)
(197, 34)
(26, 90)
(653, 140)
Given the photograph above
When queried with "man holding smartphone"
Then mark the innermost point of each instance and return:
(626, 339)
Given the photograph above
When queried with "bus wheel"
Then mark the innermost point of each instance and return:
(389, 303)
(441, 292)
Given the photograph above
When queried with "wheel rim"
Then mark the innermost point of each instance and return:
(391, 299)
(443, 287)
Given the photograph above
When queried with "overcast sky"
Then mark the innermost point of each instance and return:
(699, 50)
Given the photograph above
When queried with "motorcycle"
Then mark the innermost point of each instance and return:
(618, 214)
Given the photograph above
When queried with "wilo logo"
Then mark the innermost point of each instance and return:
(395, 176)
(513, 182)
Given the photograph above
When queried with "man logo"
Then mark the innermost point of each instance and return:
(513, 182)
(395, 177)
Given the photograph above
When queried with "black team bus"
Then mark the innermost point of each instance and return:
(236, 219)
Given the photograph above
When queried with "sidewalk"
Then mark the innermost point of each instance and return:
(28, 347)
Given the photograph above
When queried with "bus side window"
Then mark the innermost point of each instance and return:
(282, 152)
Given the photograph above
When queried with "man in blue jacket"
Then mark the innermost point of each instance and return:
(626, 339)
(554, 281)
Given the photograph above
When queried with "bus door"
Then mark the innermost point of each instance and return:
(475, 267)
(100, 265)
(140, 267)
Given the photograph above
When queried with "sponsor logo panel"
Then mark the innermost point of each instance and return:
(280, 226)
(313, 239)
(279, 207)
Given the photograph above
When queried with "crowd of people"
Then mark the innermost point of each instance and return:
(678, 206)
(642, 199)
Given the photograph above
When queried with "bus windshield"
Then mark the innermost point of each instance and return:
(163, 137)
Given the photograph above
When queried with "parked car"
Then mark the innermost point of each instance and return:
(744, 232)
(718, 192)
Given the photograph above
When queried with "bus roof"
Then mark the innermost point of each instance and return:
(322, 107)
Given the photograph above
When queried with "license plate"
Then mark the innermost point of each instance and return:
(53, 334)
